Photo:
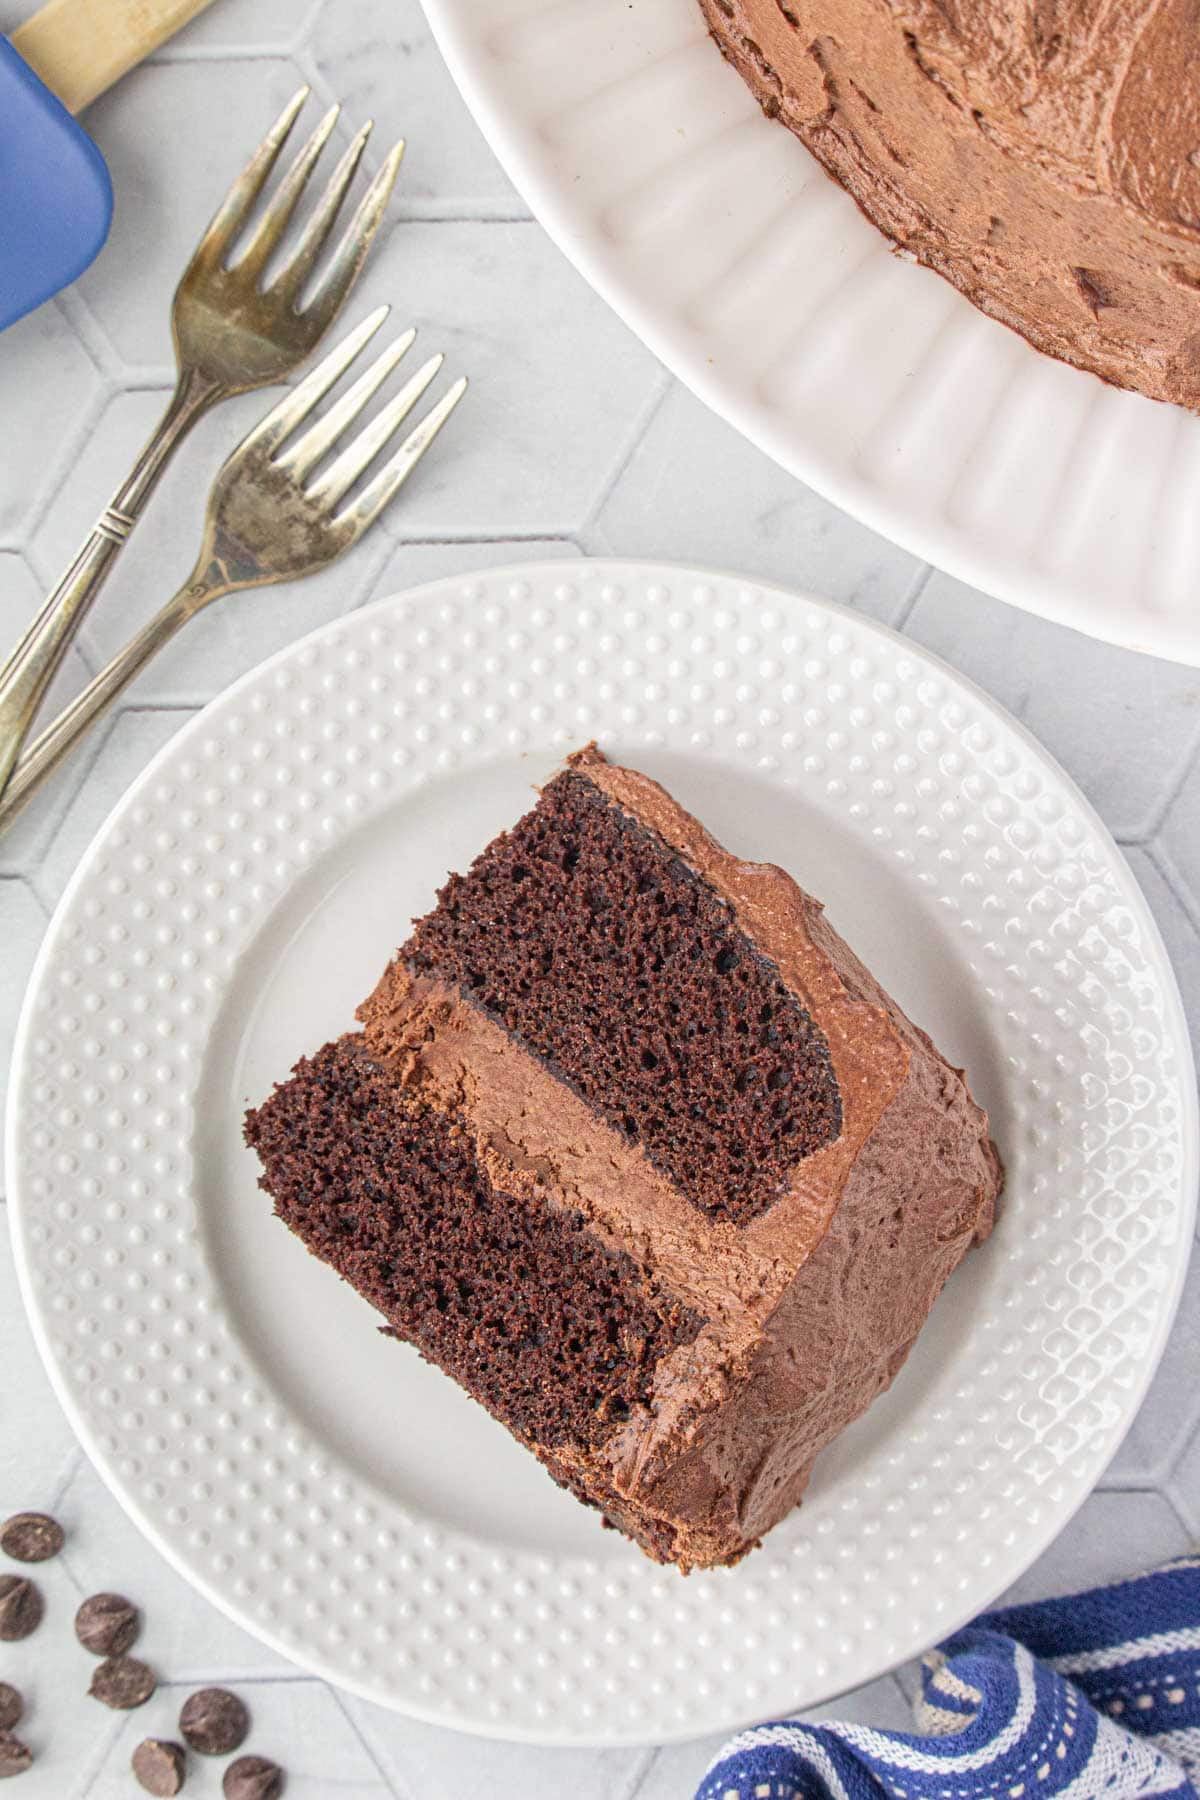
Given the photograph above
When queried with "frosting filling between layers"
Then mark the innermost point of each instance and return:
(535, 1135)
(811, 1305)
(765, 1335)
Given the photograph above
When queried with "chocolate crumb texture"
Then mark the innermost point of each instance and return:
(610, 1052)
(598, 949)
(15, 1757)
(123, 1682)
(31, 1537)
(12, 1705)
(564, 1354)
(214, 1722)
(253, 1778)
(107, 1624)
(160, 1767)
(21, 1608)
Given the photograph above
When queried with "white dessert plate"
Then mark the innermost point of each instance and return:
(756, 280)
(347, 1502)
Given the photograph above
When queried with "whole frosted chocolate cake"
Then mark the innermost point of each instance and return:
(634, 1148)
(1043, 155)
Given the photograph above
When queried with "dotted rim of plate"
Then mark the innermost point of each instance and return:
(930, 776)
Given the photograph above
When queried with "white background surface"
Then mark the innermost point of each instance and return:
(573, 440)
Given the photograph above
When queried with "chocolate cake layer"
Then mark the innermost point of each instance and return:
(1041, 156)
(707, 1354)
(553, 1332)
(600, 951)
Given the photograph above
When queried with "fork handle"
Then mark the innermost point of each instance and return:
(31, 667)
(59, 739)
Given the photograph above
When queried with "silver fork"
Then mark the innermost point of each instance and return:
(232, 335)
(269, 520)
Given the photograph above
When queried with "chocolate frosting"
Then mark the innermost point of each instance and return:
(1043, 155)
(811, 1307)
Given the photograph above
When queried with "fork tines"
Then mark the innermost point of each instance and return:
(232, 217)
(299, 458)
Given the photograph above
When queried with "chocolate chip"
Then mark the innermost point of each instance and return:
(107, 1624)
(214, 1722)
(252, 1778)
(159, 1766)
(11, 1706)
(15, 1757)
(21, 1608)
(123, 1682)
(31, 1537)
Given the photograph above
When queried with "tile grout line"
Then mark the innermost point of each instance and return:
(481, 537)
(1161, 860)
(66, 1481)
(372, 558)
(642, 1773)
(1174, 1501)
(1131, 1484)
(356, 1728)
(664, 384)
(109, 1740)
(75, 442)
(1175, 1461)
(21, 877)
(908, 604)
(162, 706)
(180, 55)
(1158, 814)
(90, 333)
(66, 1557)
(89, 755)
(403, 217)
(284, 1678)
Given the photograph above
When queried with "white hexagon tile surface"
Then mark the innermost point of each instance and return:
(576, 443)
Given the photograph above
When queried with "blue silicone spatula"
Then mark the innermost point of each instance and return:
(55, 195)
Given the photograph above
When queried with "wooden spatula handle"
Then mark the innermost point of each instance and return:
(80, 47)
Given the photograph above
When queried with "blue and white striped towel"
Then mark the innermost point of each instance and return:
(1094, 1697)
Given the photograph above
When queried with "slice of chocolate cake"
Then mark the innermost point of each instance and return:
(635, 1149)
